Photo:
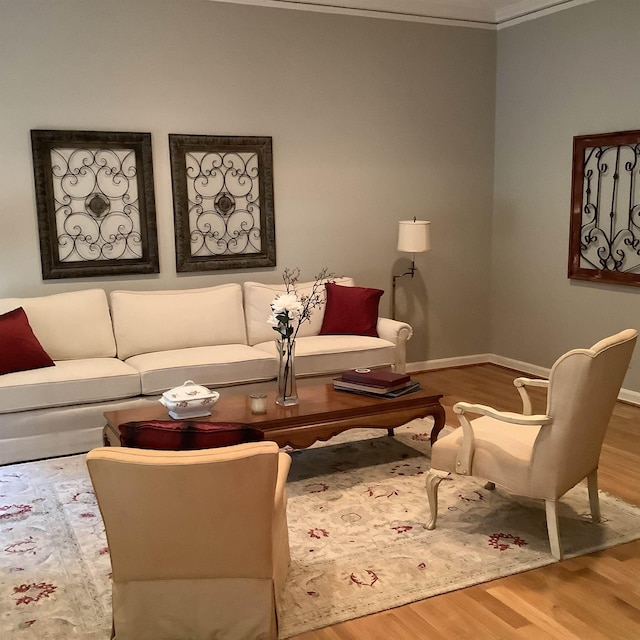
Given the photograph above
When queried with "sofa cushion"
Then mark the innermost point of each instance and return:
(70, 382)
(351, 311)
(316, 355)
(220, 365)
(19, 348)
(84, 315)
(149, 321)
(257, 308)
(185, 435)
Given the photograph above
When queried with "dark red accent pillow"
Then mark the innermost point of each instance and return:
(185, 435)
(351, 311)
(19, 347)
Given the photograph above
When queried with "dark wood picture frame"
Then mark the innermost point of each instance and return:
(95, 203)
(604, 243)
(223, 202)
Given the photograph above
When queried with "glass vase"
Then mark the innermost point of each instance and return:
(287, 390)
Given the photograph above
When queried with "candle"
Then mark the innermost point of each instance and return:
(258, 403)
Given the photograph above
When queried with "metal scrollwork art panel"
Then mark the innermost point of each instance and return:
(605, 208)
(95, 203)
(223, 202)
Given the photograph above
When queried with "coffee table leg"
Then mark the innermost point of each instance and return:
(391, 432)
(438, 424)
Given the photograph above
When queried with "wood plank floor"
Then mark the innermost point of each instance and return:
(591, 597)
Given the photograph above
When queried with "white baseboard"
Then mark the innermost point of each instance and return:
(626, 395)
(443, 363)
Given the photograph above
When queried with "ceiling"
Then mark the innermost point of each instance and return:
(484, 14)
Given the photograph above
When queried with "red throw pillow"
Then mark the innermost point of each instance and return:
(351, 311)
(185, 435)
(19, 347)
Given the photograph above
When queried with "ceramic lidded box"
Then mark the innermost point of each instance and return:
(189, 400)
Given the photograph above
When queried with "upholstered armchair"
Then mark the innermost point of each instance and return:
(198, 540)
(541, 456)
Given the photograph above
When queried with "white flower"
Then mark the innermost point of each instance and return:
(288, 303)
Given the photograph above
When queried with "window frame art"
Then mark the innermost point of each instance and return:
(223, 202)
(604, 243)
(95, 203)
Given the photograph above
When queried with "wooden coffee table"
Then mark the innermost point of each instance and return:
(322, 413)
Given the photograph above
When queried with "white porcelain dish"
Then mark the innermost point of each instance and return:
(189, 400)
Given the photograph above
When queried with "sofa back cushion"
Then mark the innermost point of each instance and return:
(151, 321)
(257, 308)
(69, 326)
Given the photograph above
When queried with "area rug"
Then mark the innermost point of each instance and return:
(357, 520)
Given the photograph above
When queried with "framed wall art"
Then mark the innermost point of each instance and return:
(222, 202)
(95, 203)
(604, 241)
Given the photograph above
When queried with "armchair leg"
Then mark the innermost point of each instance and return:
(432, 483)
(551, 507)
(594, 500)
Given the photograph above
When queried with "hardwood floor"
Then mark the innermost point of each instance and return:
(591, 597)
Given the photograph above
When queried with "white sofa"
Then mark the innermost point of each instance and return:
(126, 349)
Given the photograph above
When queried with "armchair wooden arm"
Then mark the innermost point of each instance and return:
(522, 384)
(465, 453)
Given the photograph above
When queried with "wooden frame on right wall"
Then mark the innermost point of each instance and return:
(604, 243)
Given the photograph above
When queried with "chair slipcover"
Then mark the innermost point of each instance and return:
(198, 540)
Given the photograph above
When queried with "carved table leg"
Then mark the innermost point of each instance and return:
(438, 422)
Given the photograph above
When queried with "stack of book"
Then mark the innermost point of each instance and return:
(376, 382)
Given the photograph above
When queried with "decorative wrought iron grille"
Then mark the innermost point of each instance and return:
(223, 190)
(605, 223)
(96, 207)
(223, 202)
(97, 213)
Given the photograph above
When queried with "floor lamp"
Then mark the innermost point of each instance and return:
(414, 236)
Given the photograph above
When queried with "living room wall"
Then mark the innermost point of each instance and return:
(373, 121)
(571, 73)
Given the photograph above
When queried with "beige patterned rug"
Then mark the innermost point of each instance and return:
(357, 515)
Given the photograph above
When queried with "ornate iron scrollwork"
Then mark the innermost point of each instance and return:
(605, 221)
(224, 203)
(96, 203)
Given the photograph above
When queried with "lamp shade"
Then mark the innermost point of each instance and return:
(414, 236)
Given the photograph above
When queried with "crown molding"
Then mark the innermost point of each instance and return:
(478, 15)
(525, 10)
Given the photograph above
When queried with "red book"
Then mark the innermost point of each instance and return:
(384, 378)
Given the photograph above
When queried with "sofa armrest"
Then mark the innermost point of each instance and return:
(398, 333)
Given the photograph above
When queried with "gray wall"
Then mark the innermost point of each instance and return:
(373, 121)
(572, 73)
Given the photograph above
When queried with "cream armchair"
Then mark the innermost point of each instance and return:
(198, 540)
(541, 456)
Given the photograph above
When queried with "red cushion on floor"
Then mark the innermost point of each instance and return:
(185, 435)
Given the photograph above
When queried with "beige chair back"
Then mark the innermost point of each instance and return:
(194, 539)
(583, 388)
